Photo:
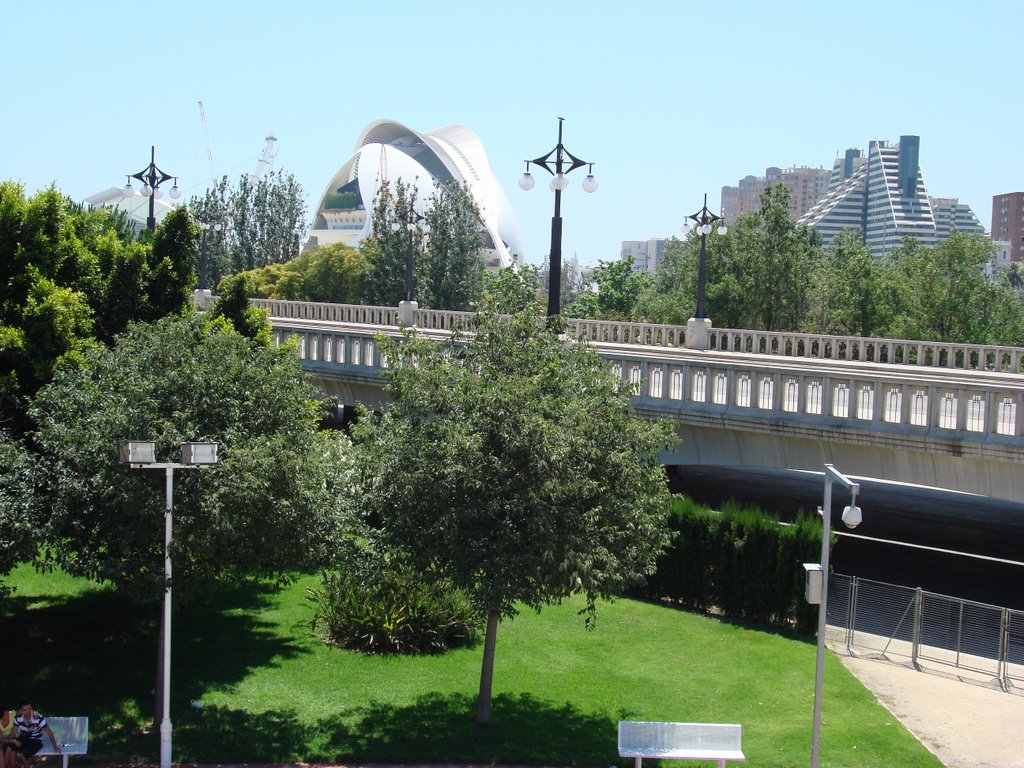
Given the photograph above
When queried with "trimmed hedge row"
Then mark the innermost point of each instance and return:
(740, 562)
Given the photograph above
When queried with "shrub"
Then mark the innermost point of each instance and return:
(391, 612)
(740, 562)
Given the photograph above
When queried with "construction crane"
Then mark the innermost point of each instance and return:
(266, 158)
(206, 135)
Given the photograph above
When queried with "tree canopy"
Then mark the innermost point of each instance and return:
(510, 461)
(70, 278)
(271, 504)
(261, 222)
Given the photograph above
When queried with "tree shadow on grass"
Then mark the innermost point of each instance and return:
(440, 729)
(96, 654)
(435, 729)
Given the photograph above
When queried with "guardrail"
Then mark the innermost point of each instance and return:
(932, 354)
(889, 620)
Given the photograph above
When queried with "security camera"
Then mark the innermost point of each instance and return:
(852, 516)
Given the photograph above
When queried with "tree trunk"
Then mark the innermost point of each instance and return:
(483, 700)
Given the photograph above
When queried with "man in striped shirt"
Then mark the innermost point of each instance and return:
(31, 726)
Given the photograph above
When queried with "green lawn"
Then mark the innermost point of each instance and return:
(271, 692)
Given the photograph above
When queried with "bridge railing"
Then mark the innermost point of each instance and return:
(930, 354)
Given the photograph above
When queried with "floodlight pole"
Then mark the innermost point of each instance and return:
(194, 455)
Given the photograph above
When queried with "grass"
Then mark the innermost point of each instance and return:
(270, 692)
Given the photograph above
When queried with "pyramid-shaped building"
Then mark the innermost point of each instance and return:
(884, 196)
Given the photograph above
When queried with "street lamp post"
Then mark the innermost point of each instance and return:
(202, 297)
(142, 455)
(558, 162)
(413, 219)
(151, 178)
(852, 518)
(699, 326)
(216, 227)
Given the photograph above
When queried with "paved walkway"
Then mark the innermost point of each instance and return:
(966, 721)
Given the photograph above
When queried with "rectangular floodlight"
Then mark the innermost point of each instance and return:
(199, 453)
(136, 452)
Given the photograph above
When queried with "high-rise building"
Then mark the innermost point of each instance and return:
(646, 254)
(805, 185)
(1008, 222)
(885, 197)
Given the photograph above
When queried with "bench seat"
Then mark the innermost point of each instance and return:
(72, 735)
(680, 741)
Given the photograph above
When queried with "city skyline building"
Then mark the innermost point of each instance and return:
(1008, 222)
(646, 254)
(885, 197)
(806, 186)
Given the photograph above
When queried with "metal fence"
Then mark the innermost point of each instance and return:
(868, 616)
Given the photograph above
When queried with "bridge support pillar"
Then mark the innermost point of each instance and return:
(407, 313)
(698, 329)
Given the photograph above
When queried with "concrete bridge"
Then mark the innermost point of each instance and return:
(947, 416)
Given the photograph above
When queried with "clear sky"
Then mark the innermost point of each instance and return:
(669, 99)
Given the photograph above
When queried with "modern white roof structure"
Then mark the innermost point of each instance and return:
(387, 151)
(135, 205)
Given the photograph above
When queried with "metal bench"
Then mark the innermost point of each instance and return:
(72, 735)
(680, 741)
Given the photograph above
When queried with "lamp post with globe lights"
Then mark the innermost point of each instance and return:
(559, 162)
(202, 297)
(698, 328)
(152, 177)
(412, 220)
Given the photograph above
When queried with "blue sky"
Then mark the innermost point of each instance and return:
(669, 99)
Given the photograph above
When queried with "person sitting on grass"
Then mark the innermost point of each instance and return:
(8, 738)
(31, 726)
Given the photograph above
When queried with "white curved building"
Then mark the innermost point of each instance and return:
(389, 151)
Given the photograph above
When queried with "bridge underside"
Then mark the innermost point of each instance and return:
(722, 446)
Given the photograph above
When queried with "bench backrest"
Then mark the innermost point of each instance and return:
(72, 733)
(680, 740)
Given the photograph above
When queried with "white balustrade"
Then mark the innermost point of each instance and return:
(927, 388)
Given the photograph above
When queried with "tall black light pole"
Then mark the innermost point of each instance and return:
(556, 163)
(216, 227)
(411, 220)
(151, 178)
(704, 221)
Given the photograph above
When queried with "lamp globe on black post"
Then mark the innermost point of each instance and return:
(559, 162)
(699, 326)
(202, 297)
(412, 221)
(151, 178)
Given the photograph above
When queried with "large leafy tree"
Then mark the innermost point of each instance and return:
(387, 246)
(333, 273)
(271, 504)
(261, 222)
(71, 277)
(851, 297)
(619, 289)
(18, 539)
(773, 263)
(941, 293)
(514, 289)
(454, 266)
(510, 462)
